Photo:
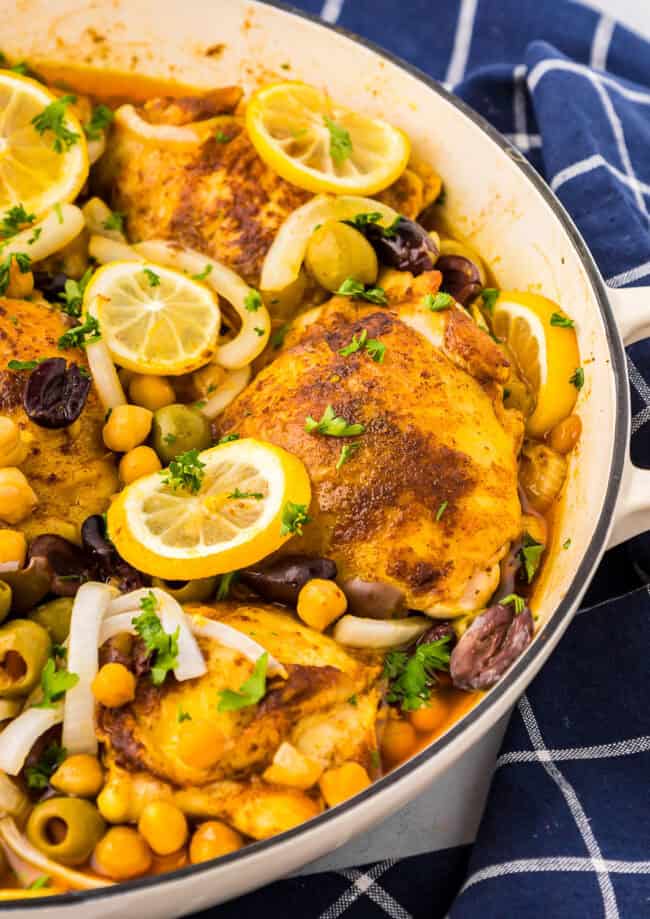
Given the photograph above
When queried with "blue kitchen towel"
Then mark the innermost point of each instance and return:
(566, 833)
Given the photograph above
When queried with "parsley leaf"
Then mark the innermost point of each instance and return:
(227, 438)
(73, 294)
(54, 683)
(258, 331)
(52, 118)
(566, 543)
(170, 438)
(340, 141)
(24, 365)
(357, 290)
(256, 495)
(81, 335)
(152, 277)
(490, 296)
(355, 345)
(99, 121)
(156, 640)
(563, 321)
(278, 337)
(183, 716)
(347, 452)
(363, 220)
(253, 300)
(332, 425)
(411, 676)
(14, 220)
(44, 879)
(203, 274)
(38, 776)
(115, 221)
(24, 264)
(578, 378)
(225, 583)
(518, 602)
(250, 692)
(441, 510)
(294, 517)
(375, 348)
(441, 301)
(530, 555)
(185, 472)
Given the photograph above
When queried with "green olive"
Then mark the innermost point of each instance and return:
(336, 251)
(65, 829)
(188, 591)
(177, 428)
(55, 617)
(5, 600)
(283, 304)
(24, 649)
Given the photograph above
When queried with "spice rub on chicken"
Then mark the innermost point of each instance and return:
(421, 492)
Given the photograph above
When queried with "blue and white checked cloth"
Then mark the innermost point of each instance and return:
(566, 833)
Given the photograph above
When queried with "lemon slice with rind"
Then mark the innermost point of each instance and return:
(153, 319)
(545, 350)
(32, 172)
(321, 146)
(234, 519)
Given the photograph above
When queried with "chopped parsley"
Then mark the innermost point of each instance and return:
(81, 335)
(258, 331)
(353, 700)
(58, 212)
(347, 452)
(578, 378)
(359, 291)
(375, 348)
(566, 543)
(225, 583)
(294, 517)
(227, 438)
(411, 676)
(161, 644)
(185, 472)
(490, 296)
(253, 300)
(278, 337)
(36, 235)
(530, 555)
(115, 221)
(38, 776)
(332, 425)
(99, 121)
(15, 220)
(52, 119)
(250, 692)
(340, 141)
(44, 879)
(54, 683)
(73, 294)
(255, 495)
(441, 510)
(202, 275)
(561, 320)
(364, 220)
(518, 602)
(24, 263)
(183, 716)
(25, 365)
(152, 277)
(438, 302)
(355, 345)
(170, 438)
(222, 138)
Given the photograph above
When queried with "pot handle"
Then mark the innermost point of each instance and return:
(632, 515)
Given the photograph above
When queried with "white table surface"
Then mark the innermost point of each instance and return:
(448, 813)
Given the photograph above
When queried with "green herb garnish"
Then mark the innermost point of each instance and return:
(441, 510)
(490, 296)
(566, 543)
(359, 291)
(227, 439)
(332, 425)
(225, 583)
(158, 642)
(518, 602)
(530, 555)
(340, 141)
(185, 472)
(253, 300)
(24, 365)
(294, 517)
(183, 716)
(561, 320)
(347, 452)
(81, 335)
(152, 277)
(255, 495)
(250, 692)
(44, 880)
(54, 683)
(411, 676)
(438, 302)
(115, 222)
(52, 118)
(38, 776)
(578, 378)
(73, 294)
(15, 220)
(364, 220)
(99, 121)
(24, 263)
(222, 138)
(203, 274)
(278, 337)
(170, 438)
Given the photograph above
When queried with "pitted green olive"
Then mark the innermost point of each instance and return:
(55, 617)
(24, 649)
(188, 591)
(336, 251)
(65, 829)
(177, 428)
(5, 600)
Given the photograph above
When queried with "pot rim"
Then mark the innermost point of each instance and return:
(556, 622)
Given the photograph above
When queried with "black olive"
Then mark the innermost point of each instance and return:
(404, 245)
(494, 640)
(104, 558)
(372, 599)
(50, 285)
(460, 278)
(281, 581)
(55, 394)
(442, 629)
(68, 564)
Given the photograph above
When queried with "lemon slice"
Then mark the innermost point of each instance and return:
(321, 146)
(32, 172)
(547, 354)
(235, 518)
(153, 319)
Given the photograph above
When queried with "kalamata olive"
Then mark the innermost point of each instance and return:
(405, 245)
(67, 562)
(280, 581)
(440, 630)
(28, 585)
(104, 559)
(493, 641)
(372, 599)
(55, 393)
(460, 278)
(50, 285)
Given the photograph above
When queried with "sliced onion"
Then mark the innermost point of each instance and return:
(20, 735)
(96, 148)
(233, 638)
(379, 633)
(287, 253)
(235, 382)
(96, 213)
(107, 382)
(13, 801)
(89, 608)
(117, 625)
(248, 343)
(127, 117)
(21, 847)
(105, 250)
(59, 227)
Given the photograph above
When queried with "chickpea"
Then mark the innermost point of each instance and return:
(206, 380)
(212, 840)
(163, 826)
(151, 392)
(566, 434)
(114, 802)
(17, 498)
(337, 785)
(114, 685)
(320, 602)
(13, 449)
(80, 775)
(398, 741)
(122, 854)
(200, 744)
(431, 716)
(13, 548)
(21, 283)
(137, 463)
(127, 427)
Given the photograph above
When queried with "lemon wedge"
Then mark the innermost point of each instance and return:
(321, 146)
(153, 319)
(236, 504)
(544, 344)
(38, 169)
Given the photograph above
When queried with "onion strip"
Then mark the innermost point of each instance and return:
(96, 214)
(89, 608)
(235, 382)
(58, 228)
(356, 632)
(105, 250)
(107, 382)
(233, 638)
(20, 735)
(13, 800)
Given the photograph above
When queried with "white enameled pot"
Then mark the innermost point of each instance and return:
(501, 207)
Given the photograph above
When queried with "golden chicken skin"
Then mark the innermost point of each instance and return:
(422, 494)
